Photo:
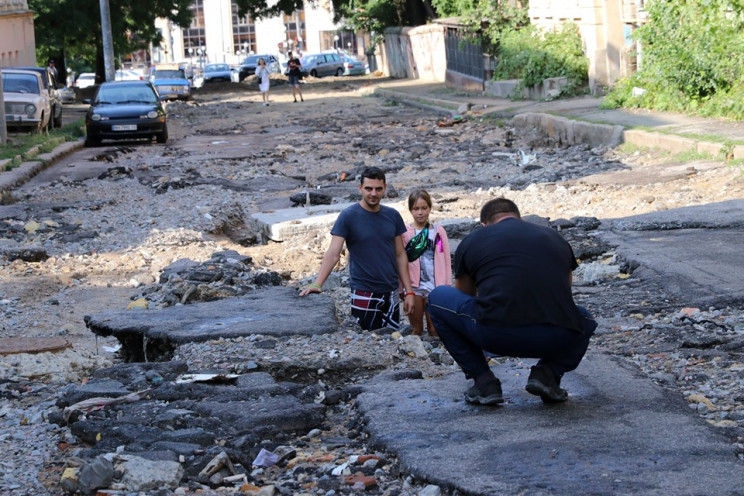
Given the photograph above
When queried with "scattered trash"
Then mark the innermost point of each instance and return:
(93, 404)
(455, 119)
(218, 463)
(208, 378)
(265, 458)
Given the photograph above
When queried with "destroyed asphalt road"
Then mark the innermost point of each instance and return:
(105, 222)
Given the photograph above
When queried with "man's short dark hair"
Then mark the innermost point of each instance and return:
(372, 173)
(494, 208)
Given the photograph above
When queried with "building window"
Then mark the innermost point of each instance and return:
(194, 38)
(295, 31)
(244, 33)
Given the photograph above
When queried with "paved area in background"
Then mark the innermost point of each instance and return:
(437, 95)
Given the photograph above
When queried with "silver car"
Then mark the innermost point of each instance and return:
(27, 102)
(322, 64)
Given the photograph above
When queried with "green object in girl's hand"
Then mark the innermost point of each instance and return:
(418, 244)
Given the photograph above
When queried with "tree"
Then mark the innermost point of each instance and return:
(70, 30)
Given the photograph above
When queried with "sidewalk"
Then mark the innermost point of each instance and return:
(669, 131)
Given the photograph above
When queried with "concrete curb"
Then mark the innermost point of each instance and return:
(570, 132)
(20, 175)
(422, 102)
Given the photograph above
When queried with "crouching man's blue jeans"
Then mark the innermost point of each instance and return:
(453, 315)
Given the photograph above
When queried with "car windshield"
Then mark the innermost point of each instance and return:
(216, 67)
(170, 74)
(20, 83)
(116, 94)
(253, 59)
(307, 60)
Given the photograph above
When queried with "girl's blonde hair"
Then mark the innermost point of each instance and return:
(416, 195)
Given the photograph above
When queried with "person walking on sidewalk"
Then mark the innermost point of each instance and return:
(295, 73)
(512, 297)
(429, 261)
(377, 258)
(264, 81)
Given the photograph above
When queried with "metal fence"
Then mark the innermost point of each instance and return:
(464, 54)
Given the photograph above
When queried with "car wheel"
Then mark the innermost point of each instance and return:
(90, 142)
(58, 120)
(339, 72)
(162, 137)
(314, 73)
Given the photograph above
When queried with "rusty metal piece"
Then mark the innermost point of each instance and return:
(11, 346)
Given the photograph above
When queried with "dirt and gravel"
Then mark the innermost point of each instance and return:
(107, 220)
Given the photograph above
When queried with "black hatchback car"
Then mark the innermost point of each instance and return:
(125, 110)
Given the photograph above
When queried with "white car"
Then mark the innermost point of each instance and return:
(128, 75)
(27, 103)
(84, 80)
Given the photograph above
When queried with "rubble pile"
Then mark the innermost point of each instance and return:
(226, 274)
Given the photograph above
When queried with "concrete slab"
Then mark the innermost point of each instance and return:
(277, 311)
(283, 224)
(695, 250)
(618, 434)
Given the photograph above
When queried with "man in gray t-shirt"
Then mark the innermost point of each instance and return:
(377, 257)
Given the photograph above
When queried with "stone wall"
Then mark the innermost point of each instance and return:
(414, 52)
(17, 42)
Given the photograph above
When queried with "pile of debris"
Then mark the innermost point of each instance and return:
(225, 275)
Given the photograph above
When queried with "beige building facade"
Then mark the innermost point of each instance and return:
(17, 42)
(605, 27)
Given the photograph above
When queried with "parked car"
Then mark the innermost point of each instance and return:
(353, 67)
(84, 80)
(127, 75)
(322, 64)
(51, 85)
(27, 103)
(66, 94)
(125, 110)
(216, 72)
(171, 83)
(248, 67)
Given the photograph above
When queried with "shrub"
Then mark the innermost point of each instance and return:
(533, 55)
(692, 55)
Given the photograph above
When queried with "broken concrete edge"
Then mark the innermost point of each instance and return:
(18, 176)
(283, 224)
(437, 106)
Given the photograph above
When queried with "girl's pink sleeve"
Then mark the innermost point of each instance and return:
(447, 255)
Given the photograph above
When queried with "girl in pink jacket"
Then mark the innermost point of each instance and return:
(429, 262)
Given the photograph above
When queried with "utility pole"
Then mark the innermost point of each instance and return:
(108, 41)
(3, 126)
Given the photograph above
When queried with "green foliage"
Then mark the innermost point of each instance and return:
(454, 8)
(372, 16)
(71, 29)
(533, 55)
(692, 55)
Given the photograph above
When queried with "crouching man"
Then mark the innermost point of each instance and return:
(512, 297)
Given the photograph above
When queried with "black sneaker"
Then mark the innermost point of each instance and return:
(490, 396)
(542, 382)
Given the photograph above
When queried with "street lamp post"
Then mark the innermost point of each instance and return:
(191, 58)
